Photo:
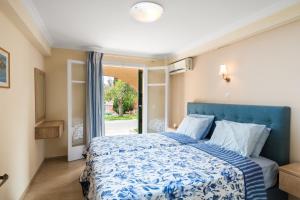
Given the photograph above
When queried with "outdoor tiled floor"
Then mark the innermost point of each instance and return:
(121, 127)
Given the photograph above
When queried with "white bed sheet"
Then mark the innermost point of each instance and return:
(269, 169)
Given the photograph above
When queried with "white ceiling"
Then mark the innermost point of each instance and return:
(79, 24)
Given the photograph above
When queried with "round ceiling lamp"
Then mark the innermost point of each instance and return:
(146, 11)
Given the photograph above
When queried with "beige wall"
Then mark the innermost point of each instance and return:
(56, 90)
(20, 153)
(135, 60)
(264, 70)
(56, 95)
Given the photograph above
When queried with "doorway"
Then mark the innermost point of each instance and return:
(147, 112)
(123, 100)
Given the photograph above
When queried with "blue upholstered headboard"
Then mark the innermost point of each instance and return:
(277, 147)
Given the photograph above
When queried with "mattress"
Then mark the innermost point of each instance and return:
(269, 169)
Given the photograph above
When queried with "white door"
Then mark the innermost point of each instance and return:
(76, 76)
(156, 83)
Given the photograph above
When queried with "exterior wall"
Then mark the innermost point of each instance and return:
(264, 70)
(21, 155)
(128, 75)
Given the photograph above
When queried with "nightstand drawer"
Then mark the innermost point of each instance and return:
(289, 183)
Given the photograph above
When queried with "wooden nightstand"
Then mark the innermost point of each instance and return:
(289, 179)
(49, 129)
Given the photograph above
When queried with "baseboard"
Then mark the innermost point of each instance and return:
(28, 186)
(56, 157)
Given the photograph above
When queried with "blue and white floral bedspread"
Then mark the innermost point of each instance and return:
(126, 143)
(176, 172)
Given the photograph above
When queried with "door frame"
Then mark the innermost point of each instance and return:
(74, 153)
(140, 101)
(146, 85)
(145, 96)
(145, 69)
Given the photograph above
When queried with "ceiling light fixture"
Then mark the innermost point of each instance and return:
(146, 11)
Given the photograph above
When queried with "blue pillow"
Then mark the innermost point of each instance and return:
(196, 127)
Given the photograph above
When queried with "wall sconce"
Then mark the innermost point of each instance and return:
(224, 73)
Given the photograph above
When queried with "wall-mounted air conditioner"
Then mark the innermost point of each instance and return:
(181, 66)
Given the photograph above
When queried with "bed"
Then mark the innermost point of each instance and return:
(127, 143)
(191, 170)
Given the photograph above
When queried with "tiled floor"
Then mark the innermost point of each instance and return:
(57, 179)
(121, 127)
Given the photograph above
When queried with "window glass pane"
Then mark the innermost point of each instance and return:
(156, 76)
(78, 72)
(78, 114)
(156, 109)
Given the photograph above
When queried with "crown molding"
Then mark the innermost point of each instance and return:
(19, 16)
(114, 52)
(36, 17)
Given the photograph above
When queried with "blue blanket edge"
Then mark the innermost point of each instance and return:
(252, 172)
(181, 138)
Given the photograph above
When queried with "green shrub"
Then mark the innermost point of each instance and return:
(122, 95)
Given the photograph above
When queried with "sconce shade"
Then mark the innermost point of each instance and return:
(223, 70)
(224, 73)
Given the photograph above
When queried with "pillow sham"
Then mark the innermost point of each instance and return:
(238, 137)
(202, 116)
(260, 143)
(210, 117)
(195, 127)
(218, 137)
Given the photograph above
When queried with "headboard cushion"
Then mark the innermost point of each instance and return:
(277, 118)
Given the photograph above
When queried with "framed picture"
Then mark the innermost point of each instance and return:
(4, 68)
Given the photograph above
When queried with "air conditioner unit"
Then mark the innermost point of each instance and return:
(181, 66)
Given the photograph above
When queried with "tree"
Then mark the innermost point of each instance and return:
(122, 95)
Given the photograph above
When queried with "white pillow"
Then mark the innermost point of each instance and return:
(218, 137)
(195, 127)
(260, 143)
(239, 137)
(210, 117)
